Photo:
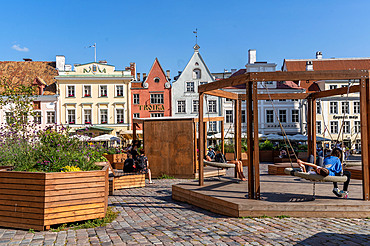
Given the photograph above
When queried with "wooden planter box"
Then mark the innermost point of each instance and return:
(38, 200)
(116, 158)
(266, 155)
(229, 156)
(126, 180)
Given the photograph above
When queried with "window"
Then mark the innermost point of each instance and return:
(103, 91)
(156, 80)
(136, 115)
(181, 106)
(103, 116)
(229, 116)
(269, 82)
(94, 68)
(282, 100)
(213, 126)
(345, 107)
(87, 90)
(136, 99)
(71, 91)
(357, 127)
(50, 117)
(318, 127)
(229, 100)
(269, 116)
(356, 107)
(282, 116)
(195, 106)
(196, 73)
(37, 117)
(36, 105)
(294, 100)
(332, 87)
(344, 86)
(244, 119)
(156, 98)
(87, 116)
(346, 127)
(212, 106)
(71, 116)
(9, 116)
(120, 116)
(189, 86)
(334, 107)
(203, 83)
(154, 115)
(318, 107)
(334, 127)
(119, 91)
(295, 115)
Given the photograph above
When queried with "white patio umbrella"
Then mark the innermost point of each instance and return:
(106, 137)
(82, 137)
(274, 137)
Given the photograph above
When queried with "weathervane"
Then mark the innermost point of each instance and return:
(196, 35)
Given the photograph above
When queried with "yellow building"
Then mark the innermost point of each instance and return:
(95, 96)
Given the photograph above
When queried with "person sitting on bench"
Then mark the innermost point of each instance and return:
(128, 165)
(219, 157)
(332, 167)
(211, 154)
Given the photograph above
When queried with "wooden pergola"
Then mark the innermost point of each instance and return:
(251, 97)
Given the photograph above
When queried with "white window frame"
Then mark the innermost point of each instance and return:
(212, 107)
(83, 115)
(156, 98)
(83, 91)
(197, 75)
(156, 115)
(195, 105)
(280, 116)
(318, 127)
(269, 114)
(356, 107)
(136, 99)
(345, 105)
(212, 126)
(47, 117)
(67, 91)
(335, 109)
(100, 114)
(178, 105)
(295, 115)
(34, 117)
(318, 108)
(100, 95)
(229, 118)
(346, 127)
(189, 86)
(116, 90)
(67, 117)
(357, 126)
(116, 116)
(332, 87)
(332, 125)
(136, 115)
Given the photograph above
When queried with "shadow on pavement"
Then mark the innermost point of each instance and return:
(324, 238)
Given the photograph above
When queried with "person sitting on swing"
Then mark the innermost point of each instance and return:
(332, 167)
(219, 157)
(211, 154)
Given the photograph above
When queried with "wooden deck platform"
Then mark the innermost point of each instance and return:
(281, 195)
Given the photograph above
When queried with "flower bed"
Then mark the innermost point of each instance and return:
(30, 200)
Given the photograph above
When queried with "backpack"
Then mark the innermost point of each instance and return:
(140, 162)
(128, 166)
(220, 158)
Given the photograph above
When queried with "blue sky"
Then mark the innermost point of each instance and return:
(138, 31)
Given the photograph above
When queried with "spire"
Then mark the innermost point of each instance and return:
(196, 48)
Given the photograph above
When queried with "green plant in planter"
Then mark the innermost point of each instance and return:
(267, 145)
(229, 148)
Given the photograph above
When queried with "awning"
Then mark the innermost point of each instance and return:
(98, 128)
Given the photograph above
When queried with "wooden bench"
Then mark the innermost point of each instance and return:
(121, 180)
(356, 172)
(278, 168)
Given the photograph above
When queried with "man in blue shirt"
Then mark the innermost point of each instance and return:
(333, 167)
(211, 154)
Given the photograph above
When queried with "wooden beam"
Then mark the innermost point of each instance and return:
(239, 126)
(313, 131)
(201, 140)
(308, 75)
(237, 134)
(277, 96)
(224, 94)
(223, 137)
(365, 148)
(335, 92)
(309, 126)
(232, 81)
(250, 140)
(195, 146)
(256, 161)
(207, 119)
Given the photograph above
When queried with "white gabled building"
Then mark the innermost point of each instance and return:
(185, 97)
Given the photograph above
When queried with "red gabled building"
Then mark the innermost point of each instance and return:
(151, 97)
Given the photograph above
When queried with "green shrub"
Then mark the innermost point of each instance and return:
(267, 145)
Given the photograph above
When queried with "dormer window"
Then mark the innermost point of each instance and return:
(196, 74)
(94, 68)
(156, 80)
(196, 64)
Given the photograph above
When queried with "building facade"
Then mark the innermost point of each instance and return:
(185, 97)
(95, 96)
(151, 97)
(337, 117)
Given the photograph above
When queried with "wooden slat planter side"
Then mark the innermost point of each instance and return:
(126, 181)
(38, 200)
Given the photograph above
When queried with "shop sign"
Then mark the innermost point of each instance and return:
(152, 107)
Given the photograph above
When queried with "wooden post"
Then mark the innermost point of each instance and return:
(195, 147)
(237, 139)
(309, 126)
(365, 149)
(313, 129)
(256, 161)
(222, 137)
(201, 140)
(240, 129)
(250, 140)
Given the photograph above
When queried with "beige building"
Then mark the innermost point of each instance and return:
(94, 96)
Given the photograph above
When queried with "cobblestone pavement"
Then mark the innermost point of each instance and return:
(149, 216)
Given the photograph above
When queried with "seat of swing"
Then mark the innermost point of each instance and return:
(315, 177)
(218, 164)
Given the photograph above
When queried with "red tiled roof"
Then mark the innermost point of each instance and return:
(328, 64)
(287, 85)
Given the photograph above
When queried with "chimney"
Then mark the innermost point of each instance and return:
(318, 55)
(61, 62)
(252, 56)
(133, 69)
(138, 76)
(103, 62)
(168, 74)
(144, 76)
(27, 59)
(309, 66)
